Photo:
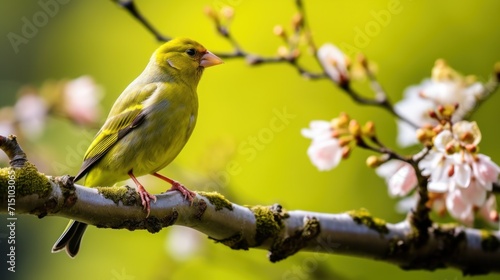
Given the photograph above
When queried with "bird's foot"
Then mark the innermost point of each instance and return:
(176, 186)
(145, 198)
(188, 195)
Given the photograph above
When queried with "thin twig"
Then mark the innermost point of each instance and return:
(381, 149)
(380, 94)
(130, 6)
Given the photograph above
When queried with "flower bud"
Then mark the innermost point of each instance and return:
(422, 135)
(346, 152)
(361, 58)
(278, 30)
(209, 12)
(355, 128)
(345, 141)
(369, 129)
(373, 161)
(341, 121)
(283, 51)
(297, 21)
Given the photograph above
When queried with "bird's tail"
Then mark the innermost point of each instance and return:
(70, 239)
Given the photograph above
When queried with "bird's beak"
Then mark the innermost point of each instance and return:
(210, 59)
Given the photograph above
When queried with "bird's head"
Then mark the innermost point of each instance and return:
(184, 58)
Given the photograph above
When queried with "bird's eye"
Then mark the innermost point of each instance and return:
(191, 52)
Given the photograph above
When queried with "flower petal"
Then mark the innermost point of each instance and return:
(442, 140)
(334, 62)
(485, 171)
(467, 132)
(474, 194)
(462, 175)
(325, 155)
(403, 181)
(438, 187)
(458, 208)
(317, 130)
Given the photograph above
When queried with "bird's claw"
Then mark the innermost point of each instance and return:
(188, 195)
(145, 199)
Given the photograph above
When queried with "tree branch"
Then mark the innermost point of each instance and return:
(281, 232)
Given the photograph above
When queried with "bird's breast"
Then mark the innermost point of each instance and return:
(166, 129)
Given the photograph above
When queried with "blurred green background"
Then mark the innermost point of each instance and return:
(237, 102)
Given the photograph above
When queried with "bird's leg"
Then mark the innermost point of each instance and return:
(145, 196)
(176, 186)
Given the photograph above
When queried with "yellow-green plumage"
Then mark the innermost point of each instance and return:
(148, 125)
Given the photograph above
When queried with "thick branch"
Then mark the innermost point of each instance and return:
(282, 232)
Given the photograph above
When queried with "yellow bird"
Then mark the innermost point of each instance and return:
(147, 127)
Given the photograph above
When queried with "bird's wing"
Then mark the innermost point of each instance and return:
(114, 129)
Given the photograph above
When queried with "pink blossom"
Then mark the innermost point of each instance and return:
(399, 176)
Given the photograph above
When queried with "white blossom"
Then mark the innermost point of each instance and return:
(318, 130)
(415, 109)
(334, 62)
(325, 151)
(445, 88)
